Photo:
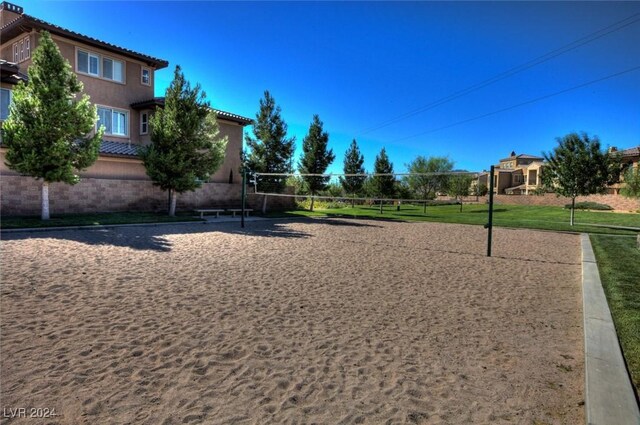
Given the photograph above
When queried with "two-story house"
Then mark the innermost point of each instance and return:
(120, 82)
(516, 175)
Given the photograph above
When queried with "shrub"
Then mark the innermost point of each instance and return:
(590, 206)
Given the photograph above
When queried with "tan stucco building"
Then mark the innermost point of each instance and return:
(119, 81)
(515, 175)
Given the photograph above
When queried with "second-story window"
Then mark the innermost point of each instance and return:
(146, 76)
(115, 121)
(22, 50)
(144, 123)
(100, 66)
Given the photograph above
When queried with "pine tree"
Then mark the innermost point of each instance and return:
(384, 186)
(578, 167)
(269, 150)
(186, 147)
(48, 130)
(315, 157)
(353, 164)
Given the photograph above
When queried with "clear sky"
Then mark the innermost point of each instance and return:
(360, 64)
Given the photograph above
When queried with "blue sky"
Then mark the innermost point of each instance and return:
(360, 64)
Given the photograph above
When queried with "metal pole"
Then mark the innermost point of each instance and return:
(489, 225)
(244, 196)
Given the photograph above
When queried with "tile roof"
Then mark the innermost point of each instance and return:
(522, 156)
(224, 115)
(635, 151)
(108, 147)
(10, 72)
(16, 27)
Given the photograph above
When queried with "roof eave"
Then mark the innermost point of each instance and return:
(16, 27)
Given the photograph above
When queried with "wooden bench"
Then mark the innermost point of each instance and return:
(210, 210)
(233, 211)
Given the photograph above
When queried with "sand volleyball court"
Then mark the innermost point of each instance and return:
(292, 322)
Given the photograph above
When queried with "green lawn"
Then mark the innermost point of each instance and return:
(92, 219)
(619, 265)
(533, 217)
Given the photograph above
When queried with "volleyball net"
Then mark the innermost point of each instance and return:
(370, 188)
(376, 189)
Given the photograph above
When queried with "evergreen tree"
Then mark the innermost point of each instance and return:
(384, 186)
(578, 167)
(353, 164)
(426, 186)
(269, 150)
(48, 130)
(315, 157)
(186, 147)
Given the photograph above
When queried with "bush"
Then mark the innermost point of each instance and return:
(590, 206)
(321, 204)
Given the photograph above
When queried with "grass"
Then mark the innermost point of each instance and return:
(519, 216)
(619, 265)
(92, 219)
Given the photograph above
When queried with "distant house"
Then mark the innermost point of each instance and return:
(630, 158)
(120, 82)
(516, 175)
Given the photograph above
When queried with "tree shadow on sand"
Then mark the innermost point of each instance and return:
(155, 238)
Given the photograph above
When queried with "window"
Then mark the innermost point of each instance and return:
(5, 101)
(144, 123)
(115, 122)
(100, 66)
(146, 76)
(22, 50)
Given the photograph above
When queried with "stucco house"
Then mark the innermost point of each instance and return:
(630, 158)
(515, 175)
(120, 82)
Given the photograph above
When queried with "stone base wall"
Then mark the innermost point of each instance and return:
(617, 202)
(20, 195)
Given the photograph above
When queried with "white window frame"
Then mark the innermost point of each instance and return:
(16, 53)
(100, 59)
(113, 110)
(27, 47)
(143, 123)
(143, 69)
(10, 96)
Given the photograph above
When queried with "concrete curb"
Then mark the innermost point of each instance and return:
(609, 396)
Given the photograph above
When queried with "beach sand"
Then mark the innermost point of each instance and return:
(295, 321)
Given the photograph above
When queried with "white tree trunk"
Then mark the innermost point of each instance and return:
(172, 207)
(573, 209)
(264, 204)
(45, 201)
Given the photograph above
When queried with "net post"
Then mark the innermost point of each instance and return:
(490, 223)
(244, 196)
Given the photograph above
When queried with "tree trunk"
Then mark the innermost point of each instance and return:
(573, 209)
(424, 210)
(353, 201)
(312, 201)
(380, 206)
(264, 204)
(460, 205)
(45, 200)
(172, 206)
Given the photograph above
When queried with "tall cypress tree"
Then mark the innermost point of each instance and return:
(384, 186)
(316, 157)
(48, 130)
(269, 150)
(186, 147)
(353, 164)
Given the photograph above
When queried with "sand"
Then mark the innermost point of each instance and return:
(294, 322)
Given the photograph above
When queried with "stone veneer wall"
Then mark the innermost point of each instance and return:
(617, 202)
(20, 195)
